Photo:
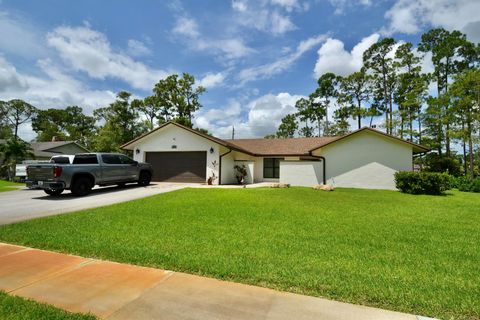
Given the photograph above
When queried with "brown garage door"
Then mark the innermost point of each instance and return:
(178, 166)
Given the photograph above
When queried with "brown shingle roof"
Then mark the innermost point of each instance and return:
(285, 147)
(275, 147)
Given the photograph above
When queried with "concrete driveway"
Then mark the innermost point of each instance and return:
(25, 204)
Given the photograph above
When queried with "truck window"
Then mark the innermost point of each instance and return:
(85, 159)
(111, 159)
(126, 160)
(60, 160)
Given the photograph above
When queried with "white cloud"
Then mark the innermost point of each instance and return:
(20, 38)
(9, 78)
(410, 16)
(54, 89)
(268, 70)
(211, 80)
(280, 23)
(239, 5)
(332, 56)
(137, 48)
(187, 27)
(341, 5)
(266, 16)
(226, 49)
(85, 49)
(261, 116)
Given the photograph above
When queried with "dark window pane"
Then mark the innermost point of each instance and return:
(271, 167)
(111, 159)
(268, 172)
(85, 159)
(61, 160)
(268, 162)
(276, 172)
(126, 160)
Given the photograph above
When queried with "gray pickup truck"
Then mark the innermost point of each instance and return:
(86, 171)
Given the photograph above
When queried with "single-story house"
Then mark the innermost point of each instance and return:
(45, 150)
(365, 158)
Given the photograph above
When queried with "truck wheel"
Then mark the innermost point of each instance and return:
(53, 192)
(144, 179)
(81, 187)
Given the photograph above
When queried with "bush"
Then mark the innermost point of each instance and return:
(467, 184)
(437, 163)
(422, 182)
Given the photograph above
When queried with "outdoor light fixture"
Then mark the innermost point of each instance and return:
(137, 151)
(211, 150)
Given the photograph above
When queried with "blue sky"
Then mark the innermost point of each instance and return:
(256, 58)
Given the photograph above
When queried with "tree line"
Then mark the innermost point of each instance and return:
(439, 109)
(175, 98)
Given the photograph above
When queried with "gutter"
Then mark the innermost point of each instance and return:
(324, 166)
(220, 166)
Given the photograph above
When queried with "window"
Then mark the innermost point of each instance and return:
(111, 159)
(126, 160)
(271, 168)
(60, 160)
(85, 159)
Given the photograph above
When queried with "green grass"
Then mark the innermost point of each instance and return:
(416, 254)
(16, 308)
(9, 186)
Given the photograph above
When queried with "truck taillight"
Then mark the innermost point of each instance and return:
(57, 171)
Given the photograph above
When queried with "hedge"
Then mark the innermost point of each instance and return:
(467, 184)
(422, 182)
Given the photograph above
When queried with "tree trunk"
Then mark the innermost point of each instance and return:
(359, 115)
(410, 126)
(447, 139)
(470, 146)
(464, 148)
(401, 127)
(391, 114)
(386, 121)
(419, 128)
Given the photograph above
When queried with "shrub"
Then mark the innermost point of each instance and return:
(437, 163)
(422, 182)
(240, 173)
(467, 184)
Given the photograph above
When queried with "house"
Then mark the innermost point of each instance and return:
(45, 150)
(365, 158)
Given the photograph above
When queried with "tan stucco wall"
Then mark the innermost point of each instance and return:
(163, 139)
(365, 160)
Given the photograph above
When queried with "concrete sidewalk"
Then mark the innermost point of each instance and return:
(121, 291)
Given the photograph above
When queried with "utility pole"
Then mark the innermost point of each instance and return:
(233, 132)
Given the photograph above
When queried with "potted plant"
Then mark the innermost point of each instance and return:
(240, 173)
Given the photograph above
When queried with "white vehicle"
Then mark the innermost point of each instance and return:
(62, 159)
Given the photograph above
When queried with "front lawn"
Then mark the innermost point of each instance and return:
(416, 254)
(16, 308)
(9, 186)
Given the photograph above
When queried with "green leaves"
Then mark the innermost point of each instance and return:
(177, 98)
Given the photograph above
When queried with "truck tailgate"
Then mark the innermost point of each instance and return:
(40, 172)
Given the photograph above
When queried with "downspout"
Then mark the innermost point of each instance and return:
(220, 166)
(324, 166)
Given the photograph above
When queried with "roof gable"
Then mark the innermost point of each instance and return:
(416, 147)
(275, 147)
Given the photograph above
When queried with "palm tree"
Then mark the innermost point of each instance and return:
(11, 152)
